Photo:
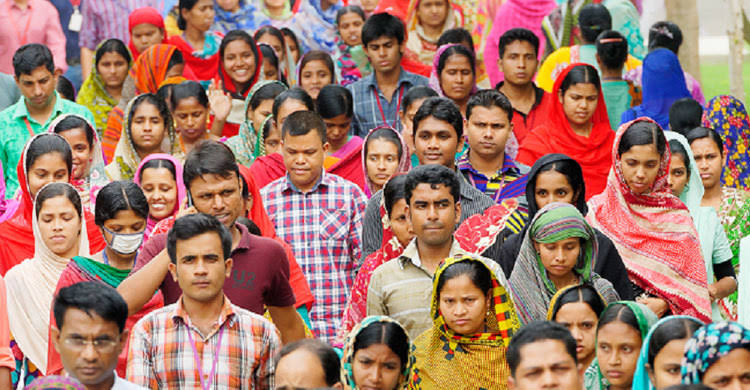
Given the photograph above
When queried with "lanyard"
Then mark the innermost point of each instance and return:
(398, 106)
(198, 359)
(28, 126)
(22, 38)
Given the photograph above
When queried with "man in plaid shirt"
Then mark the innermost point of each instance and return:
(203, 340)
(320, 216)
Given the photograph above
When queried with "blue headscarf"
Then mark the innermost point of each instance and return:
(709, 344)
(247, 17)
(663, 84)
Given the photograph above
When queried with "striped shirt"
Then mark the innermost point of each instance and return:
(402, 289)
(162, 356)
(324, 228)
(104, 19)
(507, 182)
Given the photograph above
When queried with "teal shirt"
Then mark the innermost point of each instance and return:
(15, 133)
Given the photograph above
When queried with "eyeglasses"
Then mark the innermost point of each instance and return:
(100, 345)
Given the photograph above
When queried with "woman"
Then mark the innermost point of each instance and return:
(190, 112)
(146, 28)
(558, 178)
(659, 363)
(156, 65)
(315, 71)
(728, 117)
(88, 175)
(148, 130)
(651, 228)
(102, 89)
(454, 74)
(160, 178)
(291, 42)
(619, 336)
(46, 158)
(240, 64)
(556, 252)
(270, 167)
(731, 204)
(315, 24)
(199, 46)
(469, 353)
(235, 15)
(376, 355)
(59, 227)
(396, 236)
(717, 356)
(578, 308)
(351, 60)
(526, 14)
(685, 183)
(271, 69)
(275, 38)
(425, 22)
(121, 215)
(577, 123)
(383, 156)
(248, 144)
(663, 84)
(344, 156)
(279, 12)
(619, 95)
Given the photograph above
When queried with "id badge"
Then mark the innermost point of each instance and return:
(76, 19)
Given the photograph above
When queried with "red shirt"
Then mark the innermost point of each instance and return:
(524, 123)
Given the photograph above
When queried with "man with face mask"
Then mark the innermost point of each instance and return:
(260, 276)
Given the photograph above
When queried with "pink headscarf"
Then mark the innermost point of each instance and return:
(181, 189)
(526, 14)
(7, 206)
(434, 81)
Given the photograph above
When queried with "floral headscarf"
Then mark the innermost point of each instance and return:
(727, 115)
(709, 344)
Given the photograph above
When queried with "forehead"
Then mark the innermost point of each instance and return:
(211, 181)
(36, 74)
(584, 89)
(78, 321)
(311, 140)
(543, 353)
(204, 244)
(383, 41)
(457, 59)
(491, 113)
(519, 47)
(434, 125)
(434, 192)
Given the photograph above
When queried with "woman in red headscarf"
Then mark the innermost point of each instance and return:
(575, 123)
(146, 28)
(240, 64)
(47, 152)
(199, 46)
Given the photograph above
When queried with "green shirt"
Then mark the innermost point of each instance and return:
(14, 133)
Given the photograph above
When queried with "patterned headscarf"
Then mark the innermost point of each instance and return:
(347, 372)
(434, 80)
(55, 382)
(530, 286)
(709, 344)
(727, 115)
(442, 355)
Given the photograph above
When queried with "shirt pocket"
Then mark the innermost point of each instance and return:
(334, 224)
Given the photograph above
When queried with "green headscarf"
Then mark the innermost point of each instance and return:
(593, 379)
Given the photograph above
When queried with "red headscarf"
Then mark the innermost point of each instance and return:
(593, 153)
(229, 84)
(655, 235)
(196, 68)
(16, 231)
(145, 15)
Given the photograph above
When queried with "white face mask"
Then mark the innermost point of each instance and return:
(125, 244)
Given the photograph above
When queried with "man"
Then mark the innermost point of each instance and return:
(308, 364)
(320, 215)
(90, 334)
(36, 77)
(542, 355)
(402, 287)
(377, 97)
(30, 21)
(260, 276)
(485, 164)
(104, 19)
(518, 49)
(438, 136)
(237, 348)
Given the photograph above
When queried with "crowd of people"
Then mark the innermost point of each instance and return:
(364, 194)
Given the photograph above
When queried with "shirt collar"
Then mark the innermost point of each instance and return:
(323, 180)
(411, 253)
(22, 111)
(226, 316)
(464, 164)
(538, 94)
(403, 77)
(28, 4)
